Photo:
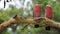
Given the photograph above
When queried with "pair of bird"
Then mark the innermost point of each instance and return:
(48, 13)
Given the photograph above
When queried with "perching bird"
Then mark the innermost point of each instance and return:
(36, 13)
(48, 14)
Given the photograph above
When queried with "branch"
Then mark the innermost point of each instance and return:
(14, 20)
(17, 20)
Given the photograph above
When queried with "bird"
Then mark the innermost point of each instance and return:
(48, 14)
(36, 13)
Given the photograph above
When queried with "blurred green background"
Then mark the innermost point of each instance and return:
(7, 14)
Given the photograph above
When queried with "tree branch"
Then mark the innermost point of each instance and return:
(17, 20)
